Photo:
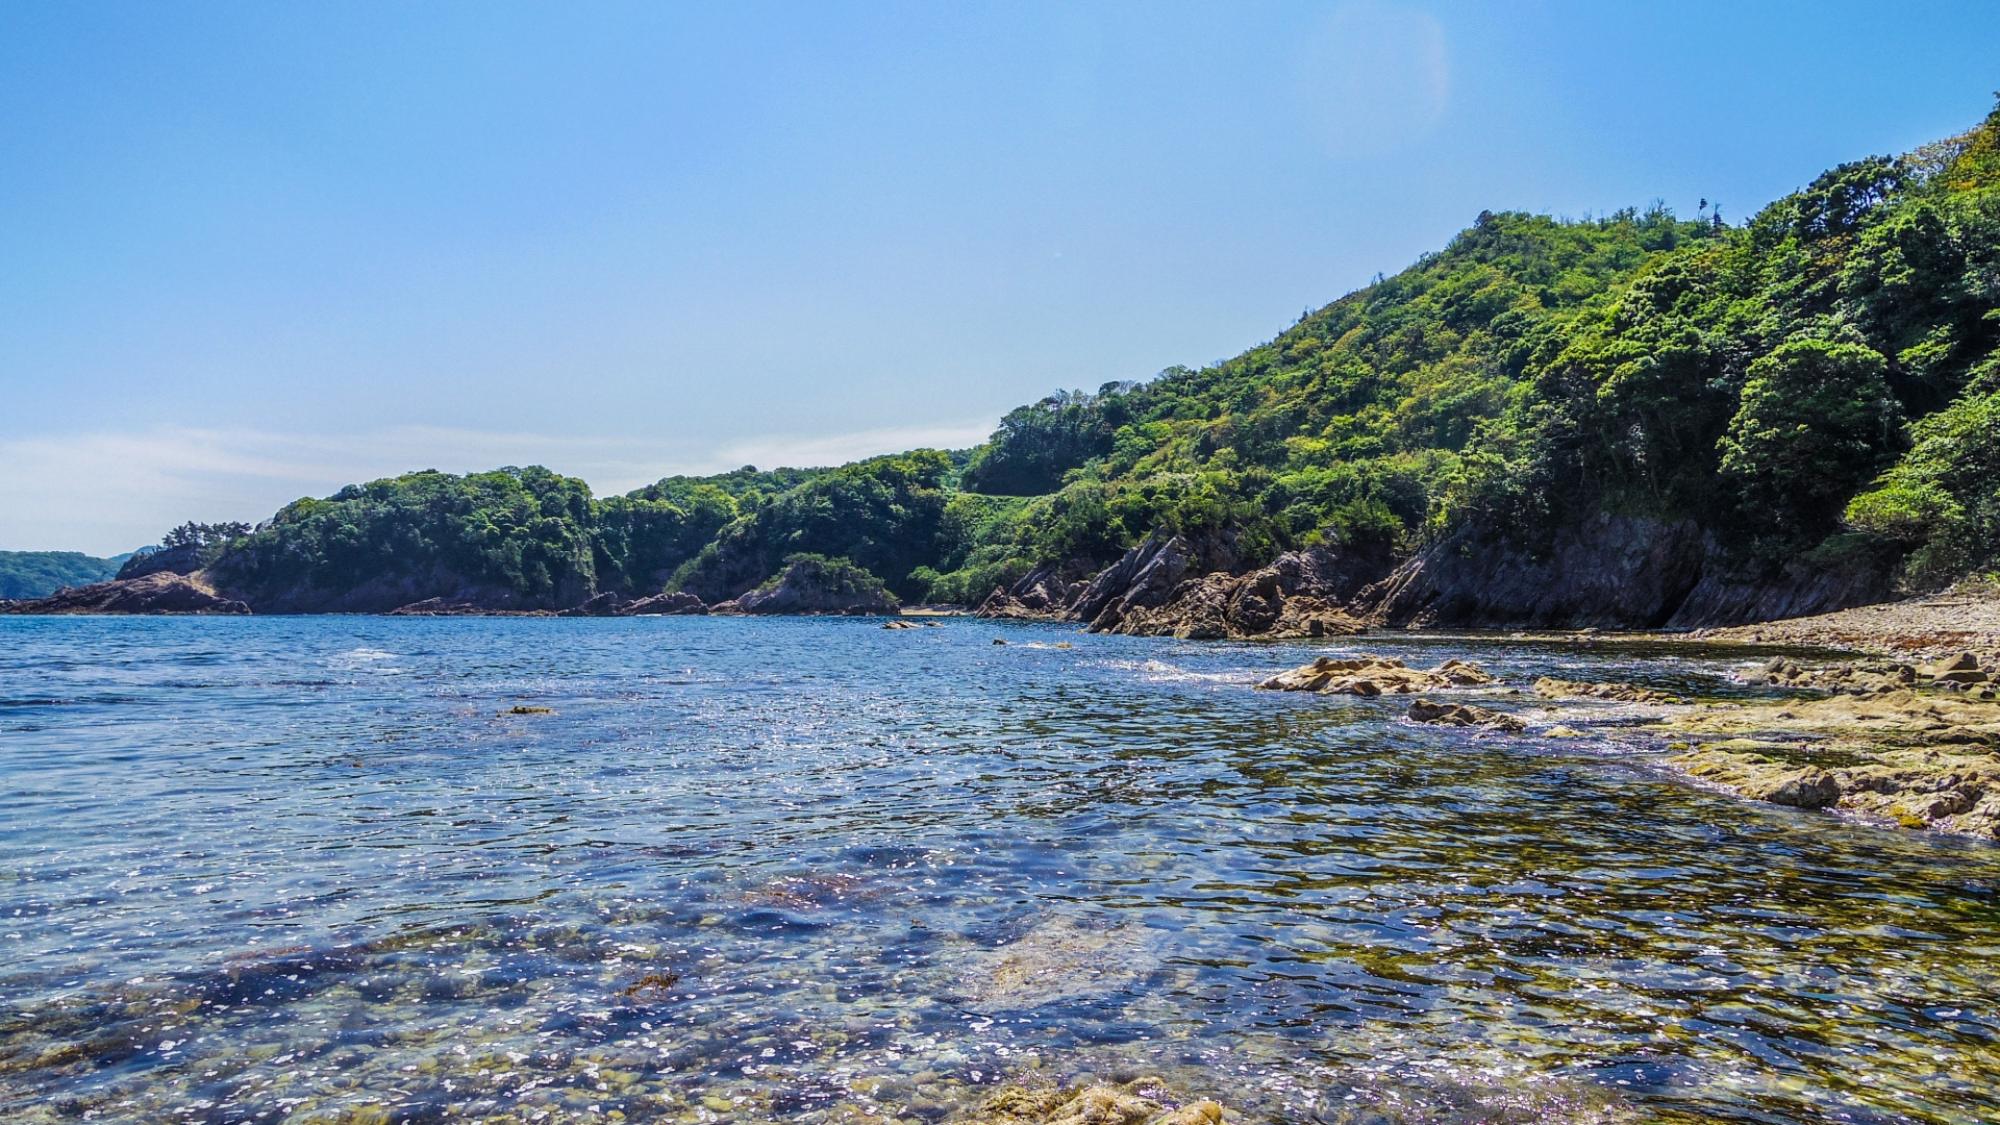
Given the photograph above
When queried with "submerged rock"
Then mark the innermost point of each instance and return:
(1059, 958)
(1375, 675)
(1143, 1101)
(1549, 687)
(1463, 715)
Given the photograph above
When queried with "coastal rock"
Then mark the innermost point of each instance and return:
(1043, 594)
(672, 603)
(1918, 760)
(1146, 576)
(1612, 571)
(1463, 715)
(607, 604)
(1962, 672)
(810, 585)
(159, 592)
(1549, 687)
(1297, 595)
(440, 607)
(1375, 675)
(1191, 587)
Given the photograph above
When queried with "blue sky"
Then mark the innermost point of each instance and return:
(253, 252)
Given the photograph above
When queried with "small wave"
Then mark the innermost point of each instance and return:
(1161, 672)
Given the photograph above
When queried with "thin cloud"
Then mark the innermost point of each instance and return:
(108, 492)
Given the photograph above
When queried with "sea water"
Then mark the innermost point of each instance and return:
(346, 869)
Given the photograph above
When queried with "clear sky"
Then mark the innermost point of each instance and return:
(255, 251)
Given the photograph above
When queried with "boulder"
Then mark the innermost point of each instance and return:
(1463, 715)
(1375, 675)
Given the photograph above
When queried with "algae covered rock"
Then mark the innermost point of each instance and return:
(1920, 760)
(1549, 687)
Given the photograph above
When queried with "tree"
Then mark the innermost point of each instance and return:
(1817, 420)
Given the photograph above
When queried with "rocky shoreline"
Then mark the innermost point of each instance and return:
(1910, 745)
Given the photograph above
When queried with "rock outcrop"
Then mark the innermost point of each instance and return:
(1375, 675)
(1614, 572)
(1973, 673)
(811, 586)
(672, 603)
(1173, 585)
(1463, 715)
(1300, 594)
(1549, 687)
(1043, 594)
(1920, 759)
(161, 591)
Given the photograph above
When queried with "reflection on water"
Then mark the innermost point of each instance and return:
(311, 870)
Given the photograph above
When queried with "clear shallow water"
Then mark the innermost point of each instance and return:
(290, 869)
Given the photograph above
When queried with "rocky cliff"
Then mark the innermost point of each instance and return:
(1173, 585)
(1612, 571)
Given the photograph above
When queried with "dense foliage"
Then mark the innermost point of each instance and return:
(1826, 371)
(37, 574)
(833, 578)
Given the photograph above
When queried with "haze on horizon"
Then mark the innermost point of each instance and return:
(256, 252)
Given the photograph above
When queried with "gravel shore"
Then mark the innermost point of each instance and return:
(1927, 627)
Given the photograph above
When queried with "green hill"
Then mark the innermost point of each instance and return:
(36, 574)
(1816, 386)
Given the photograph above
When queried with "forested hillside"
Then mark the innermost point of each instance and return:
(35, 574)
(1816, 386)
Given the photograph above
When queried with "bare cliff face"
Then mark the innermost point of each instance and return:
(1614, 572)
(1172, 585)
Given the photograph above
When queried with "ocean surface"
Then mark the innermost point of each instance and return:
(319, 870)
